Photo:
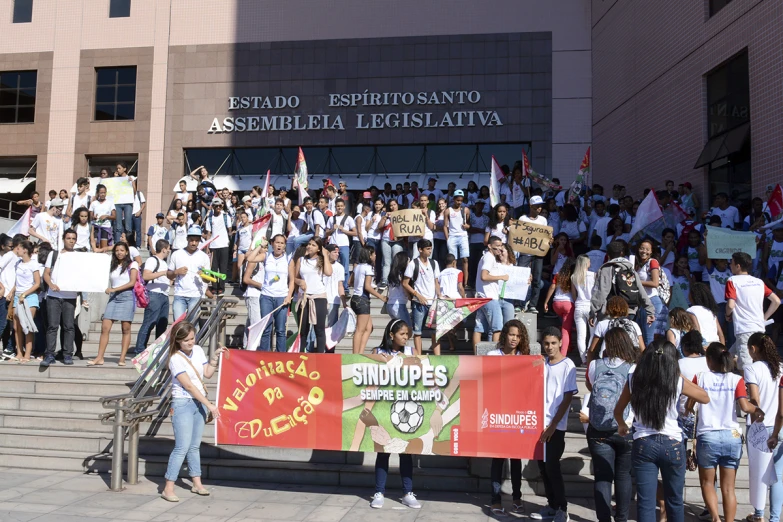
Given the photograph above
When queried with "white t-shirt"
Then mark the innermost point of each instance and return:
(758, 373)
(78, 201)
(559, 379)
(183, 197)
(585, 292)
(277, 222)
(49, 227)
(449, 280)
(728, 217)
(102, 208)
(573, 228)
(275, 276)
(339, 238)
(51, 293)
(253, 291)
(603, 326)
(7, 273)
(316, 217)
(478, 222)
(689, 368)
(599, 228)
(560, 295)
(157, 232)
(425, 283)
(670, 427)
(179, 365)
(190, 284)
(308, 270)
(216, 225)
(159, 285)
(119, 277)
(245, 236)
(718, 281)
(138, 200)
(707, 326)
(178, 236)
(645, 274)
(497, 231)
(489, 289)
(456, 220)
(83, 237)
(748, 293)
(333, 283)
(724, 389)
(360, 273)
(25, 278)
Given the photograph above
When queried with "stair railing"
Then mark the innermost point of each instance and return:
(154, 386)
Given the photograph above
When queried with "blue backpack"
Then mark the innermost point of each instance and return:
(608, 386)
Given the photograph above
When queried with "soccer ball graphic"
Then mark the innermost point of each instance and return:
(407, 416)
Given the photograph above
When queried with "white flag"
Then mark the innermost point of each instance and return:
(648, 213)
(256, 330)
(22, 226)
(494, 186)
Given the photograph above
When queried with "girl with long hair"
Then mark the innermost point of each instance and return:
(310, 272)
(692, 363)
(762, 378)
(374, 233)
(28, 281)
(561, 250)
(563, 302)
(513, 341)
(616, 317)
(615, 231)
(439, 246)
(361, 282)
(397, 305)
(718, 435)
(80, 222)
(190, 405)
(507, 306)
(390, 246)
(176, 210)
(648, 270)
(611, 452)
(122, 302)
(680, 323)
(573, 227)
(582, 283)
(657, 439)
(705, 314)
(499, 219)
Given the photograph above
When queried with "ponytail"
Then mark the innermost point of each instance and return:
(768, 352)
(720, 357)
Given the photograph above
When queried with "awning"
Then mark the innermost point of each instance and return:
(723, 145)
(14, 186)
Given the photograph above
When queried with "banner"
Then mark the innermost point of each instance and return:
(446, 314)
(722, 242)
(260, 226)
(439, 405)
(518, 281)
(119, 190)
(529, 238)
(410, 222)
(82, 272)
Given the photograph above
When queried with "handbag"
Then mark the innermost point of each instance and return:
(210, 417)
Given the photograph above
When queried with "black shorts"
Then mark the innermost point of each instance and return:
(360, 305)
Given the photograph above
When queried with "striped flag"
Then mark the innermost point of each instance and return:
(260, 226)
(445, 314)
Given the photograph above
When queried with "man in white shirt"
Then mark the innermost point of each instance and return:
(279, 222)
(48, 226)
(340, 228)
(535, 263)
(489, 318)
(184, 267)
(316, 222)
(745, 305)
(139, 204)
(81, 199)
(218, 224)
(156, 232)
(421, 281)
(335, 292)
(155, 276)
(729, 215)
(432, 193)
(60, 307)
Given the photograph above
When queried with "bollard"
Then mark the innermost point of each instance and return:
(133, 454)
(117, 450)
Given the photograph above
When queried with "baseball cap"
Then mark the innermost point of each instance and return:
(536, 200)
(459, 193)
(366, 195)
(688, 185)
(217, 203)
(194, 230)
(480, 202)
(432, 179)
(159, 215)
(246, 198)
(57, 202)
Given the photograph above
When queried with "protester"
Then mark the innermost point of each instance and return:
(680, 323)
(582, 283)
(25, 288)
(154, 273)
(47, 226)
(563, 302)
(310, 271)
(363, 274)
(421, 283)
(277, 290)
(103, 213)
(489, 318)
(60, 307)
(341, 228)
(185, 268)
(390, 245)
(705, 314)
(648, 271)
(217, 224)
(456, 223)
(617, 277)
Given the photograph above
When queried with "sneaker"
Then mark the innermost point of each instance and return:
(544, 513)
(377, 500)
(705, 515)
(532, 310)
(47, 361)
(561, 516)
(7, 355)
(68, 360)
(410, 501)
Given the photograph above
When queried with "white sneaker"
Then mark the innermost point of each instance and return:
(410, 501)
(561, 516)
(377, 500)
(544, 513)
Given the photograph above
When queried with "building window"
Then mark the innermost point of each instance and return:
(17, 96)
(728, 96)
(23, 11)
(119, 8)
(717, 5)
(115, 93)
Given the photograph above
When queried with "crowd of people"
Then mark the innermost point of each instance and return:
(696, 335)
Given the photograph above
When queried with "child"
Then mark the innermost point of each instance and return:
(680, 323)
(361, 283)
(563, 303)
(696, 253)
(680, 282)
(28, 281)
(421, 282)
(560, 387)
(717, 274)
(513, 341)
(451, 287)
(595, 254)
(395, 340)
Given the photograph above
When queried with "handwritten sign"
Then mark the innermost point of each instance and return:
(722, 242)
(518, 281)
(410, 222)
(757, 437)
(119, 190)
(529, 238)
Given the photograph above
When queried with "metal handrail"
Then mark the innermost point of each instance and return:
(132, 408)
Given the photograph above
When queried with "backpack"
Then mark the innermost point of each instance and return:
(624, 284)
(225, 222)
(415, 275)
(608, 385)
(269, 228)
(243, 285)
(140, 291)
(44, 286)
(627, 325)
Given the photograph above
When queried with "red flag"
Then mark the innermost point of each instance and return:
(775, 203)
(525, 165)
(445, 314)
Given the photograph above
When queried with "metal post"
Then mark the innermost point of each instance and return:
(213, 341)
(117, 450)
(133, 453)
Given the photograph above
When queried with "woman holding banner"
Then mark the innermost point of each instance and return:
(309, 276)
(390, 246)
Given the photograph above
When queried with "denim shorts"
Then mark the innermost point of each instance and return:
(489, 318)
(719, 448)
(360, 305)
(459, 247)
(419, 312)
(31, 301)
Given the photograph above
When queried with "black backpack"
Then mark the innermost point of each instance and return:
(415, 275)
(243, 285)
(44, 286)
(624, 285)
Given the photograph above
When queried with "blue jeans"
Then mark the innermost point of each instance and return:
(419, 312)
(278, 321)
(399, 311)
(536, 265)
(611, 456)
(188, 420)
(648, 332)
(776, 489)
(183, 304)
(651, 454)
(382, 471)
(137, 230)
(345, 260)
(156, 314)
(124, 220)
(389, 249)
(719, 448)
(507, 309)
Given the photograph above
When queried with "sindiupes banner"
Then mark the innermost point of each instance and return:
(429, 405)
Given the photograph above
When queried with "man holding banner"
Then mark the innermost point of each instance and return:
(123, 202)
(534, 262)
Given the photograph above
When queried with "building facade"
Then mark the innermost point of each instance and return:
(373, 92)
(688, 91)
